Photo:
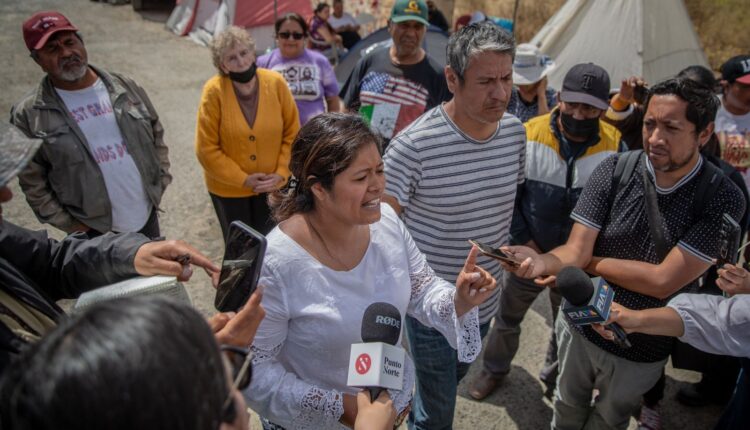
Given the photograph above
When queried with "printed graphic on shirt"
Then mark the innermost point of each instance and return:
(391, 103)
(735, 148)
(91, 110)
(303, 79)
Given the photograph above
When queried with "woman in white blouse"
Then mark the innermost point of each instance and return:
(335, 251)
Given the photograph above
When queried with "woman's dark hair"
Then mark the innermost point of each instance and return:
(291, 16)
(324, 147)
(701, 75)
(319, 8)
(702, 103)
(133, 363)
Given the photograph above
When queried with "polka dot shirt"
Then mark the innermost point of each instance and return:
(624, 234)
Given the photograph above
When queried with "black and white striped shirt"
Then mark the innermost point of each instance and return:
(453, 188)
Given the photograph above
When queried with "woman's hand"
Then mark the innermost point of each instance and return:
(264, 183)
(377, 415)
(473, 286)
(733, 279)
(253, 180)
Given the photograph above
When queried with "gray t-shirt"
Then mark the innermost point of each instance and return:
(454, 188)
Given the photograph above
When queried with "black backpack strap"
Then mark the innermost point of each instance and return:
(708, 184)
(624, 168)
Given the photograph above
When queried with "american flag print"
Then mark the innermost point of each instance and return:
(390, 103)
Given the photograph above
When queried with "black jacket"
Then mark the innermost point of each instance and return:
(38, 270)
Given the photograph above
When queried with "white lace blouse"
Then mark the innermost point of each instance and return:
(314, 314)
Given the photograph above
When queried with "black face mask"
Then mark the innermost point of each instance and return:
(581, 128)
(244, 77)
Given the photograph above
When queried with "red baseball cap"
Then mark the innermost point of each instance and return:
(38, 29)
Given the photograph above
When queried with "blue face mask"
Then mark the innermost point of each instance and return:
(244, 77)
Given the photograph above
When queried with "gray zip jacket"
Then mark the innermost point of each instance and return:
(63, 183)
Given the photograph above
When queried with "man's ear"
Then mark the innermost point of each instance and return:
(451, 79)
(706, 134)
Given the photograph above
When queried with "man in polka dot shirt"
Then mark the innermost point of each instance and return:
(613, 240)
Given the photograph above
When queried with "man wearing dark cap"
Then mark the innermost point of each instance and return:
(103, 164)
(733, 118)
(393, 85)
(612, 237)
(35, 270)
(562, 149)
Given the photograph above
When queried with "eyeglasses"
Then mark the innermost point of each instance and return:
(242, 371)
(288, 34)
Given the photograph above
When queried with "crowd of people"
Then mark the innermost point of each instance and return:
(369, 193)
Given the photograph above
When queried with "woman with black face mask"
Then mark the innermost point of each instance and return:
(247, 120)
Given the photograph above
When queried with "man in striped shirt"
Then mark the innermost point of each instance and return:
(453, 175)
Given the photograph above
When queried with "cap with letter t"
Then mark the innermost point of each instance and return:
(588, 84)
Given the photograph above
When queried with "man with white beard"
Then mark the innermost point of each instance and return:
(103, 164)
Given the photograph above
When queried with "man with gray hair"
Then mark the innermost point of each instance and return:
(452, 174)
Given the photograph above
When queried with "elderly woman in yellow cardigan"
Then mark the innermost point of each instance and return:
(247, 120)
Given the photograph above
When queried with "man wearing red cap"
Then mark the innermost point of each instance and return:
(733, 117)
(103, 164)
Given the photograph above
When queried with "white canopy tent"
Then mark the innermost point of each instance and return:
(650, 38)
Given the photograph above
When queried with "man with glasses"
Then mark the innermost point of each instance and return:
(393, 85)
(103, 163)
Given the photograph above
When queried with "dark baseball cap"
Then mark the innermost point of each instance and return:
(736, 69)
(586, 83)
(409, 10)
(38, 29)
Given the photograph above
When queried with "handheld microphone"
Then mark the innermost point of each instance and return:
(377, 363)
(586, 304)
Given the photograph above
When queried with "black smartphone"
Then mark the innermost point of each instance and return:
(640, 94)
(729, 241)
(494, 253)
(243, 259)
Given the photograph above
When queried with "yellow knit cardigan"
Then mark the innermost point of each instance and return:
(228, 149)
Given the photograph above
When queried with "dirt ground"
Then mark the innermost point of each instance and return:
(173, 70)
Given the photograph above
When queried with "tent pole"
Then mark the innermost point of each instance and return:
(275, 17)
(515, 16)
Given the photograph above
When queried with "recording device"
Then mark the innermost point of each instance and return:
(588, 301)
(377, 364)
(243, 259)
(729, 241)
(495, 253)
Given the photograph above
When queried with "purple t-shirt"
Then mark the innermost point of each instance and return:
(310, 78)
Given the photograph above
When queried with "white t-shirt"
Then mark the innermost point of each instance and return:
(314, 315)
(733, 132)
(345, 19)
(92, 110)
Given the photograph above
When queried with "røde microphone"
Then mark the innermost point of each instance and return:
(377, 363)
(586, 304)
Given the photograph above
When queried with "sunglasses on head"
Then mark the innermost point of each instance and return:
(295, 35)
(242, 371)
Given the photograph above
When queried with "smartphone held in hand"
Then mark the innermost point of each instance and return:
(240, 270)
(495, 253)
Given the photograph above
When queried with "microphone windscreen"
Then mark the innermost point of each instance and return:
(381, 323)
(575, 285)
